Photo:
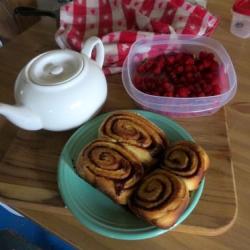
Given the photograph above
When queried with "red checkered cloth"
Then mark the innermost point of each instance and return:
(119, 23)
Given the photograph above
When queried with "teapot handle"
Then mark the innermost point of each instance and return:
(88, 47)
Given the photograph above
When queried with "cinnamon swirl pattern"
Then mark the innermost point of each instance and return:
(137, 134)
(188, 161)
(111, 168)
(160, 198)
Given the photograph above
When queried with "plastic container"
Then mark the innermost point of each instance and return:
(240, 24)
(173, 106)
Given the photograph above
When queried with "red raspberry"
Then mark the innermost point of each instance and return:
(173, 76)
(169, 94)
(202, 54)
(157, 93)
(179, 56)
(206, 63)
(188, 68)
(207, 89)
(189, 61)
(209, 77)
(140, 68)
(183, 92)
(158, 69)
(210, 56)
(168, 87)
(137, 80)
(200, 67)
(194, 68)
(170, 59)
(145, 65)
(216, 90)
(182, 80)
(159, 65)
(190, 75)
(214, 66)
(197, 88)
(180, 69)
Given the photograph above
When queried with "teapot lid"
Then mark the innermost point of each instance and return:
(55, 67)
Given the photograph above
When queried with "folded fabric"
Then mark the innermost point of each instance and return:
(119, 23)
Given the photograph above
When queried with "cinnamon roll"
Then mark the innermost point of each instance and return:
(160, 198)
(188, 161)
(111, 168)
(137, 134)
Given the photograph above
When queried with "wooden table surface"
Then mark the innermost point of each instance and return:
(238, 115)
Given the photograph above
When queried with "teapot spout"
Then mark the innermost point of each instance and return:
(21, 116)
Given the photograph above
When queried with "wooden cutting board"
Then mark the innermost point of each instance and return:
(28, 160)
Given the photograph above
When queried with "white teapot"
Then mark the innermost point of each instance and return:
(59, 89)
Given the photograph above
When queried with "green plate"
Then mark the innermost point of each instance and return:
(94, 209)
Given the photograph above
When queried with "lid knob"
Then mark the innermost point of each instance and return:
(55, 69)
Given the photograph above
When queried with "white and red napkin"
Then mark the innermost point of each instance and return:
(119, 23)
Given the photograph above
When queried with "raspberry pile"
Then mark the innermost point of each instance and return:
(179, 74)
